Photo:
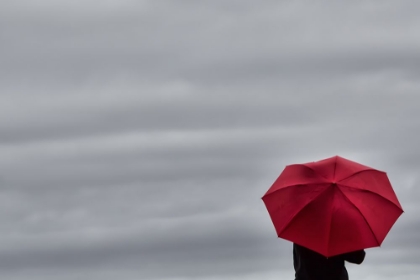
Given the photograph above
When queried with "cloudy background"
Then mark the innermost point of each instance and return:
(137, 137)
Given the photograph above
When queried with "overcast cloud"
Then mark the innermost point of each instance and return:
(137, 137)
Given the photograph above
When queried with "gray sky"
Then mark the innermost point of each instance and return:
(137, 137)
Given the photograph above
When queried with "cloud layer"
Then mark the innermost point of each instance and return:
(137, 137)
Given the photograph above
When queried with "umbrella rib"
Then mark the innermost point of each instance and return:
(294, 185)
(287, 224)
(356, 173)
(364, 218)
(364, 190)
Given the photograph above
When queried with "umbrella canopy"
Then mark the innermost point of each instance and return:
(332, 206)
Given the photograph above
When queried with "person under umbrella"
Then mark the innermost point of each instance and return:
(331, 210)
(310, 265)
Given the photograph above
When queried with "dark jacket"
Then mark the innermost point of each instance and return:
(310, 265)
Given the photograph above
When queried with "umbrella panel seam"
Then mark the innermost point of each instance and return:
(303, 207)
(294, 185)
(294, 216)
(365, 190)
(358, 172)
(364, 218)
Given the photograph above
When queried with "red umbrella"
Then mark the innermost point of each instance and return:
(332, 206)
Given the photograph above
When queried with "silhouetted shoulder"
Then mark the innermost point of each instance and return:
(356, 257)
